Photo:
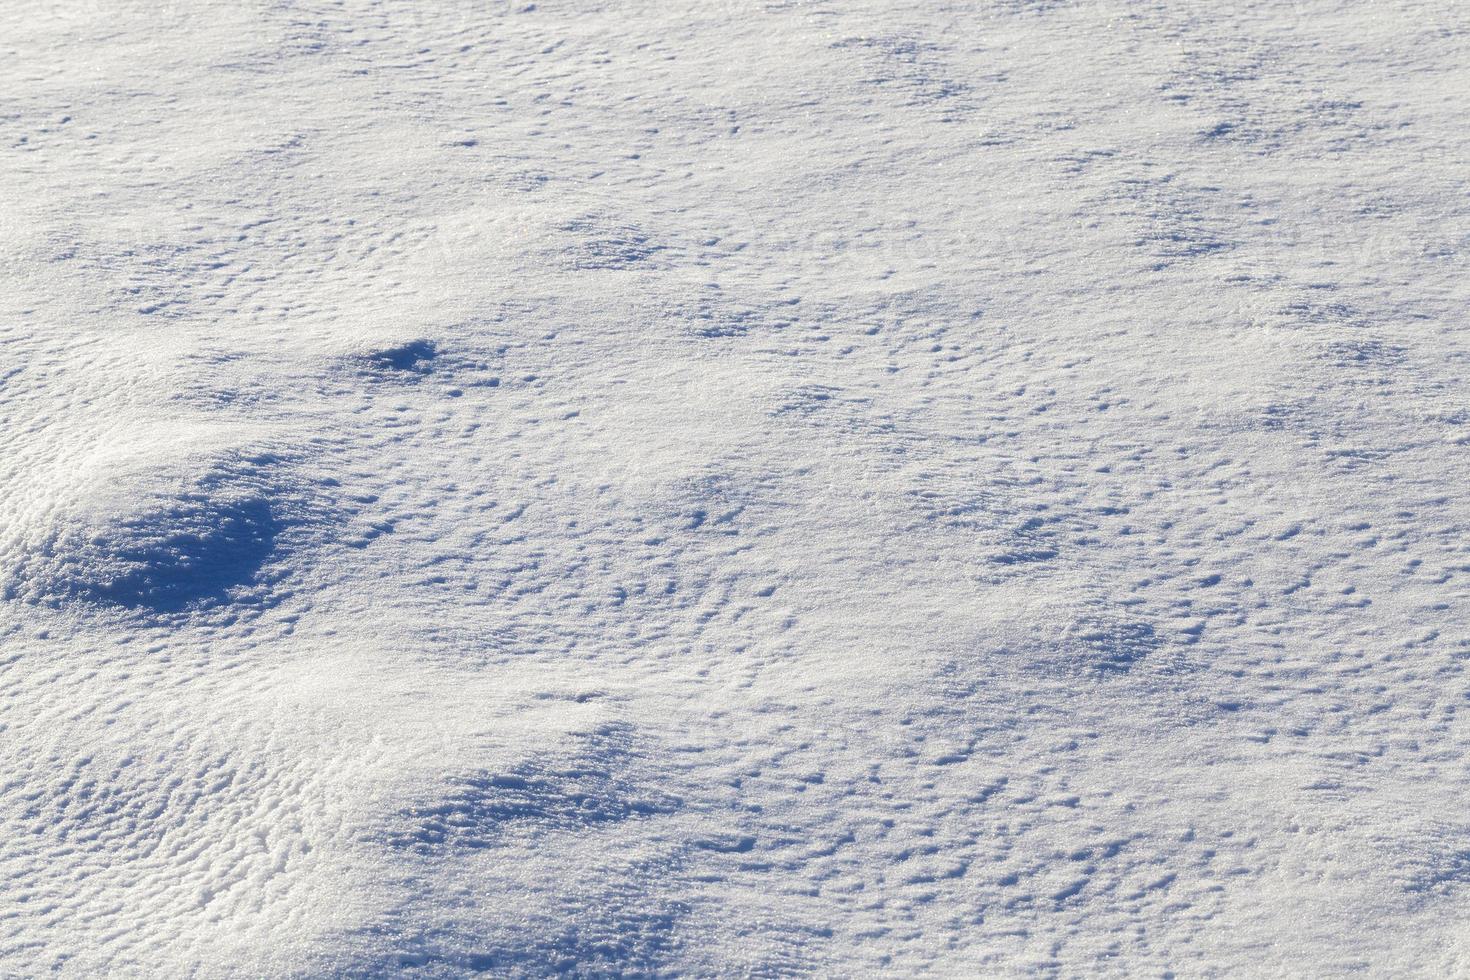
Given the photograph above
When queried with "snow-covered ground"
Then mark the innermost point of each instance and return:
(734, 487)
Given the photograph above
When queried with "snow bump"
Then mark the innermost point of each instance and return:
(157, 535)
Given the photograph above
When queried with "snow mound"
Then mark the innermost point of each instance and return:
(139, 533)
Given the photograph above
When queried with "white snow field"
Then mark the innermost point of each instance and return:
(734, 488)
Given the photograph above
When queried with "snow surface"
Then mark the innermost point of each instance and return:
(837, 487)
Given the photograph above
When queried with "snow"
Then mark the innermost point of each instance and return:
(727, 487)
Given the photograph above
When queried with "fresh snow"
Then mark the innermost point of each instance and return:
(734, 487)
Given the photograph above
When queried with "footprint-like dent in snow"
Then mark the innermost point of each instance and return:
(1094, 642)
(1433, 859)
(396, 357)
(600, 242)
(715, 500)
(712, 319)
(571, 791)
(414, 356)
(1007, 531)
(1107, 645)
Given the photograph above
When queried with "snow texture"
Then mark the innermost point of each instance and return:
(734, 487)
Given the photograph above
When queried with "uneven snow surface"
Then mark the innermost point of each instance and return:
(734, 487)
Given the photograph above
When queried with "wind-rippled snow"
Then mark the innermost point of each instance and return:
(734, 488)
